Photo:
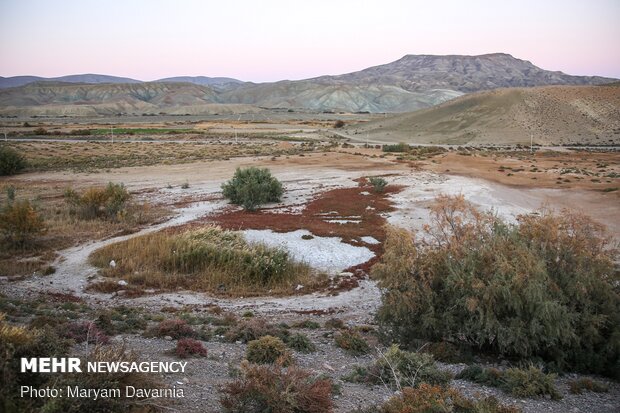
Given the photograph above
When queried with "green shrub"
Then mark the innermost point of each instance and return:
(301, 343)
(109, 202)
(398, 368)
(545, 287)
(268, 350)
(377, 183)
(274, 389)
(252, 187)
(11, 161)
(306, 324)
(20, 223)
(398, 147)
(518, 382)
(403, 368)
(352, 342)
(578, 386)
(529, 382)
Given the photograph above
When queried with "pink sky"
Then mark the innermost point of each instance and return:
(276, 39)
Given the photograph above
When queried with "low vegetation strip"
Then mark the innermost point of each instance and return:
(204, 259)
(57, 155)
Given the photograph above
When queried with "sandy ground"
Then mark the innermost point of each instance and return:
(303, 177)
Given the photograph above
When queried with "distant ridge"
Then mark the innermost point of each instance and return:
(15, 81)
(548, 114)
(411, 83)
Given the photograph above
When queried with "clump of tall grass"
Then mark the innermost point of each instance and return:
(205, 259)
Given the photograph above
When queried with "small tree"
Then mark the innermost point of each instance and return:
(11, 162)
(251, 187)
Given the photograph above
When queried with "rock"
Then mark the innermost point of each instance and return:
(112, 264)
(122, 282)
(346, 274)
(299, 287)
(168, 338)
(328, 367)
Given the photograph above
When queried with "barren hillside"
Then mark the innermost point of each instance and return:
(552, 115)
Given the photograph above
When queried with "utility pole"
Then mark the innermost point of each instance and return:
(112, 131)
(238, 120)
(531, 143)
(5, 138)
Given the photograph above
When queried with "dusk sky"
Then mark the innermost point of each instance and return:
(273, 40)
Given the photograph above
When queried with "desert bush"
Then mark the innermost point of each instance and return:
(398, 368)
(17, 342)
(436, 399)
(407, 369)
(335, 323)
(338, 124)
(175, 328)
(542, 288)
(20, 223)
(110, 202)
(276, 390)
(249, 330)
(578, 386)
(352, 342)
(528, 382)
(300, 342)
(83, 331)
(252, 187)
(266, 350)
(11, 161)
(378, 183)
(309, 324)
(202, 259)
(187, 347)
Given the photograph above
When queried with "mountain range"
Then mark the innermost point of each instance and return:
(411, 83)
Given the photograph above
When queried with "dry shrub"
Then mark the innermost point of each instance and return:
(268, 350)
(108, 380)
(175, 328)
(110, 202)
(254, 329)
(397, 368)
(277, 390)
(208, 258)
(352, 342)
(578, 386)
(187, 347)
(20, 223)
(545, 287)
(83, 331)
(17, 342)
(436, 399)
